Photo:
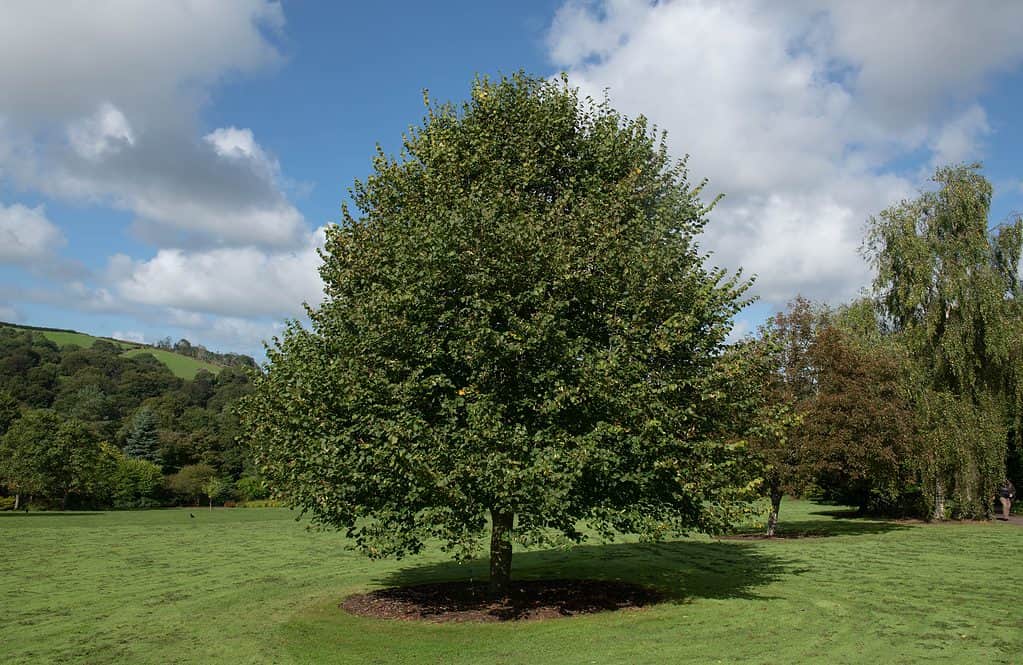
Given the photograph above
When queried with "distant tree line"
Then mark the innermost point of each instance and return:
(90, 427)
(200, 352)
(908, 401)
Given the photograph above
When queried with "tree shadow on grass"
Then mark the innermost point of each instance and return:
(844, 524)
(21, 514)
(679, 571)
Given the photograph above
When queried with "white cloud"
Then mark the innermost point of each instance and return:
(740, 329)
(26, 235)
(101, 104)
(908, 57)
(129, 336)
(959, 139)
(222, 190)
(795, 111)
(107, 130)
(240, 282)
(62, 60)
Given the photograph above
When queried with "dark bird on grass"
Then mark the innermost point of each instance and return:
(191, 515)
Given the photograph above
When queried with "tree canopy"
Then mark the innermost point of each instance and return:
(948, 287)
(519, 325)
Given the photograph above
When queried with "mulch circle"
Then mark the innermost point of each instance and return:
(528, 601)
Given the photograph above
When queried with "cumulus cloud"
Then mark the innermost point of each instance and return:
(236, 281)
(905, 58)
(101, 101)
(129, 336)
(958, 139)
(62, 61)
(796, 111)
(26, 235)
(107, 130)
(223, 189)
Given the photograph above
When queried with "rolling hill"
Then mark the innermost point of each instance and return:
(181, 365)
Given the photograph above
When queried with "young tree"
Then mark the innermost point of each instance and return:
(948, 287)
(216, 489)
(519, 326)
(786, 380)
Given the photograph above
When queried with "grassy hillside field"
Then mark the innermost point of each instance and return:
(254, 586)
(66, 338)
(181, 366)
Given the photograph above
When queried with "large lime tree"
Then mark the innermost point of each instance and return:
(519, 330)
(948, 287)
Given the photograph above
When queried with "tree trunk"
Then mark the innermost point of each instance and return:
(939, 499)
(17, 500)
(211, 504)
(500, 552)
(772, 518)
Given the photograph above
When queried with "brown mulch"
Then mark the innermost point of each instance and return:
(528, 601)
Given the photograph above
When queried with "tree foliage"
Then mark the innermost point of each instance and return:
(861, 427)
(518, 325)
(143, 439)
(44, 456)
(190, 482)
(9, 411)
(786, 380)
(134, 402)
(949, 288)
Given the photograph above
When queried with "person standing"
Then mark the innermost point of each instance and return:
(1006, 494)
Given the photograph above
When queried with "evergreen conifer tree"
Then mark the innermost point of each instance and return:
(143, 440)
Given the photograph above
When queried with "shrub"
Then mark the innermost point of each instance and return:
(137, 483)
(251, 488)
(187, 484)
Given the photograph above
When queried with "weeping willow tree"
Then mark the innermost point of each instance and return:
(949, 287)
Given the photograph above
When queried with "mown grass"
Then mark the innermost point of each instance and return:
(254, 586)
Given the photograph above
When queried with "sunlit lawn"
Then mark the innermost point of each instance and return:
(254, 586)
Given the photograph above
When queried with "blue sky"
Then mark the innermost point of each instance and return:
(166, 168)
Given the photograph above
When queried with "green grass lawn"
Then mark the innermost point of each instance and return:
(254, 586)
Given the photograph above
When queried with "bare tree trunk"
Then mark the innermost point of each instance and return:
(500, 552)
(939, 499)
(17, 500)
(772, 518)
(211, 504)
